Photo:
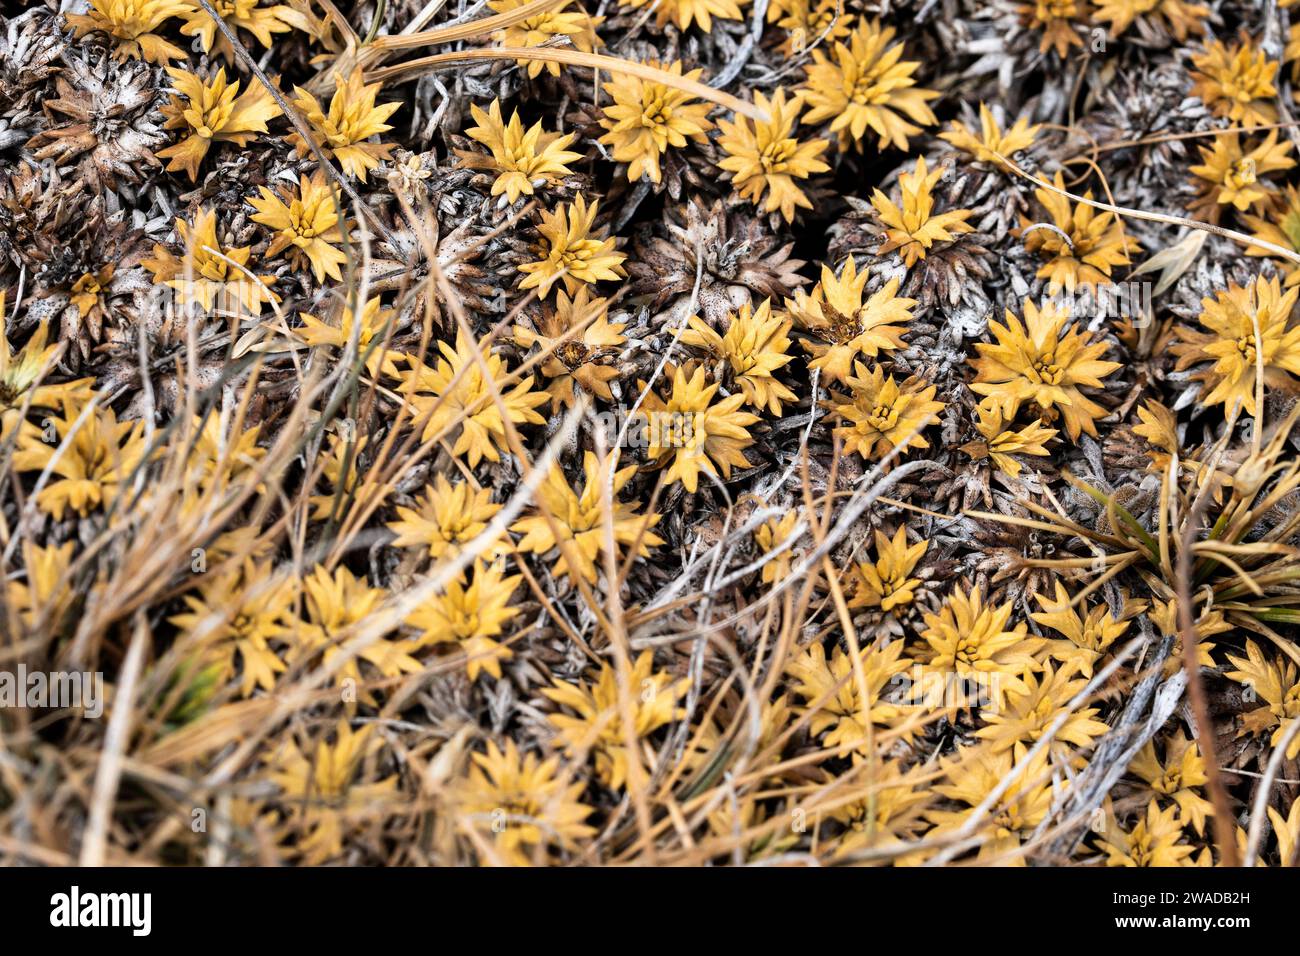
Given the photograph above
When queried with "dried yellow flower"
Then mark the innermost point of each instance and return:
(808, 23)
(1236, 81)
(1026, 716)
(1160, 428)
(843, 326)
(766, 156)
(595, 727)
(516, 802)
(42, 601)
(887, 814)
(88, 468)
(685, 12)
(368, 330)
(991, 142)
(754, 346)
(648, 117)
(884, 583)
(541, 29)
(576, 334)
(248, 15)
(569, 253)
(1086, 639)
(1056, 21)
(236, 617)
(446, 519)
(1180, 18)
(471, 615)
(1287, 829)
(131, 25)
(881, 415)
(971, 641)
(1083, 248)
(1035, 363)
(1238, 320)
(698, 434)
(212, 112)
(1001, 441)
(915, 228)
(336, 606)
(206, 273)
(307, 224)
(1276, 683)
(1014, 816)
(320, 791)
(457, 400)
(88, 292)
(1178, 776)
(1164, 615)
(832, 692)
(353, 119)
(1280, 225)
(772, 535)
(586, 519)
(522, 160)
(218, 454)
(21, 374)
(1153, 841)
(1230, 175)
(867, 85)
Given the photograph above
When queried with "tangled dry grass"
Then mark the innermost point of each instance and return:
(662, 432)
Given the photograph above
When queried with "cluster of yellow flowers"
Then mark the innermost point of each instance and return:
(1247, 335)
(305, 221)
(609, 651)
(1238, 171)
(1064, 26)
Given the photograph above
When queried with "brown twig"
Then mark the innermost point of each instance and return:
(1223, 829)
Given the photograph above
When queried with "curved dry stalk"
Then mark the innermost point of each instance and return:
(463, 31)
(109, 773)
(334, 14)
(374, 51)
(597, 61)
(1195, 134)
(1187, 633)
(1238, 237)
